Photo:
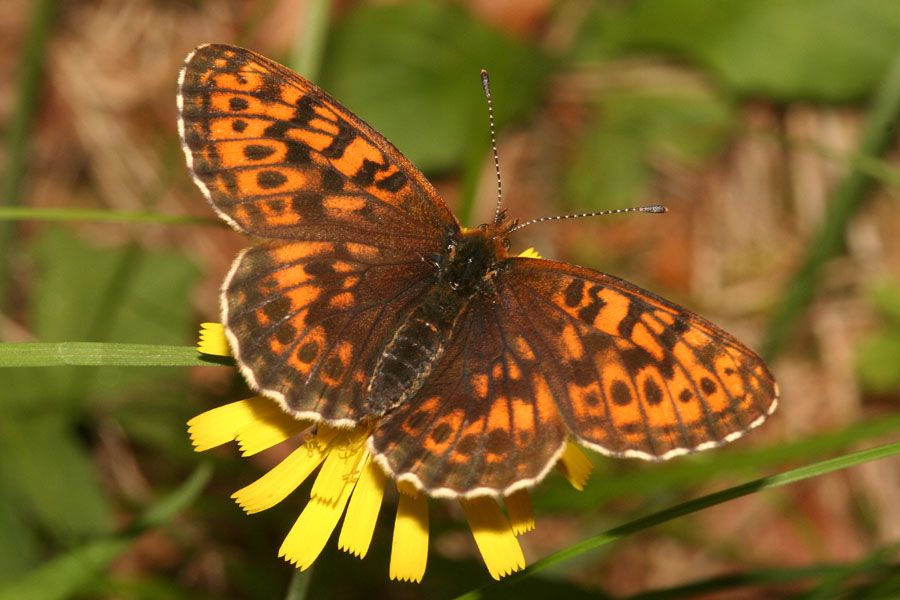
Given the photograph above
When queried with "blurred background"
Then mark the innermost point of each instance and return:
(767, 127)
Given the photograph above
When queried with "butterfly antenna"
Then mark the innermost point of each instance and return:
(486, 84)
(645, 209)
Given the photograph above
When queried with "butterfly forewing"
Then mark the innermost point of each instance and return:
(279, 158)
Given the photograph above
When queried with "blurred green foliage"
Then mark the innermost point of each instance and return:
(414, 69)
(878, 357)
(779, 50)
(49, 487)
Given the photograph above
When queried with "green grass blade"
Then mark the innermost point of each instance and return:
(836, 577)
(659, 478)
(306, 54)
(66, 574)
(19, 125)
(28, 213)
(873, 568)
(102, 354)
(878, 135)
(27, 101)
(298, 589)
(692, 506)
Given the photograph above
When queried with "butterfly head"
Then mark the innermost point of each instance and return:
(473, 258)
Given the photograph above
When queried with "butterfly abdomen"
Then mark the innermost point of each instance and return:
(408, 358)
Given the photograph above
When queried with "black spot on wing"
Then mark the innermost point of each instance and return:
(269, 180)
(621, 395)
(256, 152)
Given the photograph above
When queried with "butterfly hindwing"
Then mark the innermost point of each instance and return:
(279, 158)
(486, 421)
(307, 320)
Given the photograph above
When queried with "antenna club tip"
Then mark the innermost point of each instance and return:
(486, 83)
(655, 209)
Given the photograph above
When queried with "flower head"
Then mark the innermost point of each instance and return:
(350, 484)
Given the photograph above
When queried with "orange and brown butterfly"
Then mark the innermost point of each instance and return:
(363, 301)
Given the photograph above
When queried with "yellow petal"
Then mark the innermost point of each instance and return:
(270, 426)
(342, 464)
(310, 533)
(220, 425)
(495, 539)
(362, 512)
(274, 486)
(521, 516)
(530, 253)
(409, 550)
(212, 340)
(575, 465)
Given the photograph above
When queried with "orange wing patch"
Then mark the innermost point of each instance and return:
(484, 423)
(305, 319)
(279, 158)
(641, 376)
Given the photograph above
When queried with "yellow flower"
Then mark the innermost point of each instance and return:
(351, 484)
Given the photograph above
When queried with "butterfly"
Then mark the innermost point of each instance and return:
(364, 302)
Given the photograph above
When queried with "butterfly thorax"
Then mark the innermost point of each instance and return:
(464, 271)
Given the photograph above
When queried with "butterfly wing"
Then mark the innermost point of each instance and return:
(486, 421)
(308, 320)
(345, 222)
(643, 376)
(571, 350)
(279, 158)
